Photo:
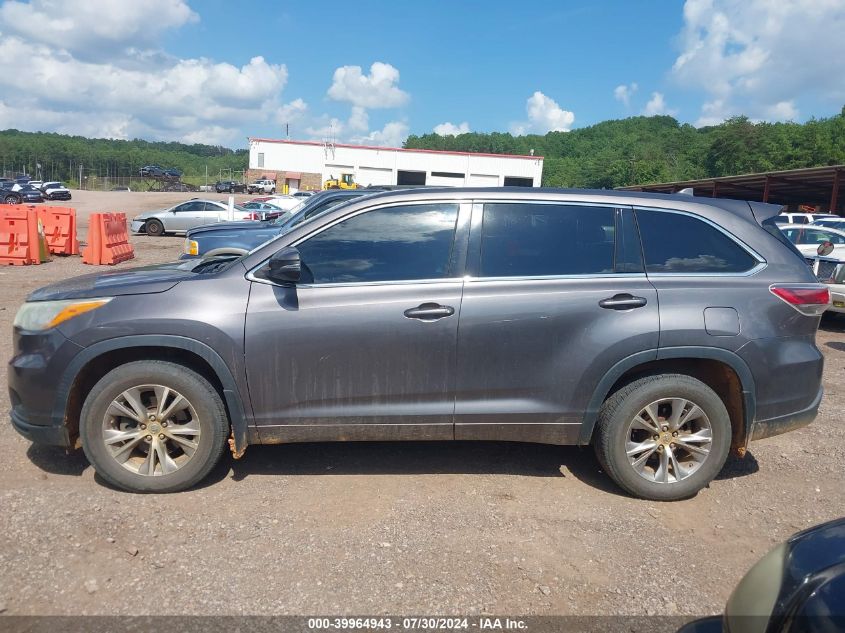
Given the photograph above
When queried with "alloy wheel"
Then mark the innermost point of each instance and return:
(151, 430)
(668, 440)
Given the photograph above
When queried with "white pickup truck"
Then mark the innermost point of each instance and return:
(262, 186)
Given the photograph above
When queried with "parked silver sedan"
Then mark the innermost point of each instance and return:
(186, 215)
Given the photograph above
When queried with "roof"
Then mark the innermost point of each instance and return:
(812, 185)
(393, 149)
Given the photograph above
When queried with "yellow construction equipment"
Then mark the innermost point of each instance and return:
(346, 181)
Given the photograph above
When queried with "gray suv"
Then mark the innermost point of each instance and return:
(663, 330)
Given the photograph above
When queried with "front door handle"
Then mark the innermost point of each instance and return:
(429, 312)
(623, 301)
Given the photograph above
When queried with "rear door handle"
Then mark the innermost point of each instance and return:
(623, 301)
(429, 312)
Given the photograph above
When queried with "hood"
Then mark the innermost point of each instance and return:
(143, 280)
(235, 227)
(148, 214)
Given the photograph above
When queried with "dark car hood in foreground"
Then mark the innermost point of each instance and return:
(143, 280)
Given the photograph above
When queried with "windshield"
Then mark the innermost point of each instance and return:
(309, 210)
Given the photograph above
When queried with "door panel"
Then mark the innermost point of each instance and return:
(535, 339)
(349, 356)
(364, 346)
(531, 352)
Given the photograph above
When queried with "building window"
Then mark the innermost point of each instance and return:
(261, 159)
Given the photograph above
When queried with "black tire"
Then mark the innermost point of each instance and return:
(231, 190)
(211, 414)
(273, 190)
(12, 199)
(154, 228)
(622, 406)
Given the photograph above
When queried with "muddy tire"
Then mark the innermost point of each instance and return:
(154, 228)
(153, 426)
(663, 437)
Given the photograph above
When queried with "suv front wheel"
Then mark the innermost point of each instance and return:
(153, 426)
(663, 437)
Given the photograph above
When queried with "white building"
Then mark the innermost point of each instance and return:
(308, 164)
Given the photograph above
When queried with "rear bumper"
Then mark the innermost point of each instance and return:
(788, 422)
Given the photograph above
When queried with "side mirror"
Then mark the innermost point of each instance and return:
(285, 265)
(825, 248)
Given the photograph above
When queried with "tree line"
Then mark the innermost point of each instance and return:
(641, 150)
(60, 156)
(636, 150)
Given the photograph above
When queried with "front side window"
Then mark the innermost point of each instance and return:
(398, 243)
(535, 240)
(678, 243)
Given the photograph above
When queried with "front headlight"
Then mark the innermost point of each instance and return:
(191, 247)
(43, 315)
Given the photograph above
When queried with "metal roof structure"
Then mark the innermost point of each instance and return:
(817, 186)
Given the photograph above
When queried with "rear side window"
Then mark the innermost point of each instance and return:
(771, 226)
(678, 243)
(534, 240)
(398, 243)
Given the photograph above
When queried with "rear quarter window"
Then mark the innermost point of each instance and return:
(680, 243)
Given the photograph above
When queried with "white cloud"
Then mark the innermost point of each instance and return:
(624, 93)
(657, 105)
(782, 111)
(450, 129)
(88, 27)
(756, 57)
(185, 99)
(379, 89)
(544, 115)
(291, 112)
(393, 134)
(359, 120)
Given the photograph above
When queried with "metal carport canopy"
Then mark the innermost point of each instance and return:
(812, 185)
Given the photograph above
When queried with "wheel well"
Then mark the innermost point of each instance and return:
(719, 376)
(99, 366)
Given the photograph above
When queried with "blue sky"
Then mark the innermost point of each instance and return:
(217, 72)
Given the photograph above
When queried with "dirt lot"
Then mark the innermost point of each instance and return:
(422, 528)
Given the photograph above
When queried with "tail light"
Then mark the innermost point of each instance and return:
(808, 299)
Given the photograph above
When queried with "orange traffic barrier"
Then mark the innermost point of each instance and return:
(60, 229)
(108, 240)
(19, 237)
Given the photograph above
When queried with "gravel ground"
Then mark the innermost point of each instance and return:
(422, 528)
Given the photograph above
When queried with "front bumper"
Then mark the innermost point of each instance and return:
(50, 435)
(138, 226)
(789, 422)
(34, 373)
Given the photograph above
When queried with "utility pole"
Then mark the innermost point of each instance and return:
(80, 176)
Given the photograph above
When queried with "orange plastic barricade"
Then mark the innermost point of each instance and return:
(108, 240)
(60, 229)
(19, 240)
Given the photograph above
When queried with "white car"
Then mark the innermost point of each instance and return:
(286, 202)
(837, 291)
(833, 223)
(802, 218)
(262, 185)
(55, 190)
(808, 237)
(186, 215)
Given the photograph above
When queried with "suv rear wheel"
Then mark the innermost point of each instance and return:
(153, 426)
(663, 437)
